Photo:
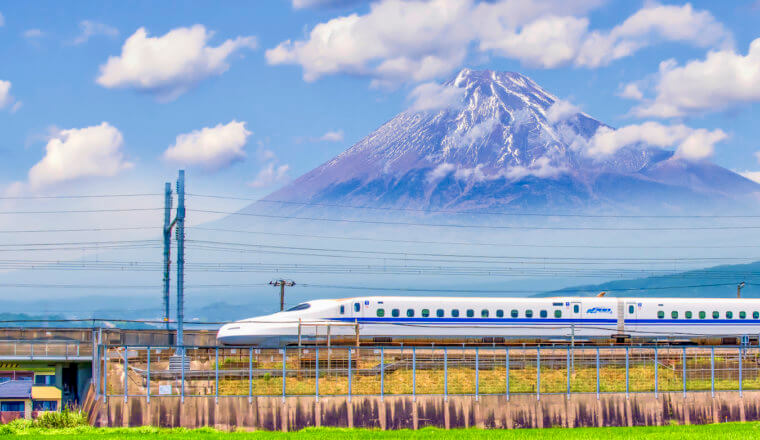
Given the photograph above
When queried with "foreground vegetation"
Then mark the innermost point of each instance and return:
(722, 431)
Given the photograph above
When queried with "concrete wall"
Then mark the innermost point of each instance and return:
(396, 412)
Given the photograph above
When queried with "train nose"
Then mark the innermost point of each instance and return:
(234, 334)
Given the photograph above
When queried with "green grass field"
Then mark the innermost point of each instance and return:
(720, 431)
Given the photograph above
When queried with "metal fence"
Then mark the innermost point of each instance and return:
(124, 371)
(18, 349)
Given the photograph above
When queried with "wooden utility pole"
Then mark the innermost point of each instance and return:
(282, 284)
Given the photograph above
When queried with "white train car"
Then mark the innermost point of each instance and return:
(383, 319)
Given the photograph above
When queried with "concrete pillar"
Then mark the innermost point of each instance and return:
(381, 413)
(350, 414)
(539, 415)
(447, 414)
(317, 413)
(415, 416)
(479, 419)
(284, 416)
(125, 413)
(628, 413)
(715, 414)
(742, 414)
(508, 410)
(599, 413)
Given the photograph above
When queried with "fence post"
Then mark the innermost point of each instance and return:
(538, 372)
(597, 373)
(656, 378)
(105, 373)
(349, 373)
(683, 365)
(567, 367)
(147, 381)
(382, 371)
(477, 374)
(285, 372)
(126, 373)
(216, 375)
(250, 375)
(316, 383)
(507, 379)
(740, 372)
(712, 370)
(445, 374)
(414, 374)
(627, 375)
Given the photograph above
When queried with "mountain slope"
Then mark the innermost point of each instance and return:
(503, 148)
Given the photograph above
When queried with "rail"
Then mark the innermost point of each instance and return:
(350, 371)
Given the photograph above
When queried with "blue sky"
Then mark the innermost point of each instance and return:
(54, 67)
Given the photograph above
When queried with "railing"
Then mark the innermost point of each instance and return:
(44, 349)
(379, 371)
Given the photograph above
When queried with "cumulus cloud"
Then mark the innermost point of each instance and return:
(690, 143)
(401, 41)
(76, 153)
(170, 65)
(6, 99)
(211, 148)
(541, 168)
(332, 136)
(632, 91)
(441, 171)
(432, 96)
(89, 28)
(561, 111)
(723, 79)
(271, 174)
(32, 34)
(751, 175)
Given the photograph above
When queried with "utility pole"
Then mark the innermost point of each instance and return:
(167, 249)
(739, 289)
(282, 284)
(180, 259)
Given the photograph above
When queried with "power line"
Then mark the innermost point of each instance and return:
(452, 211)
(94, 229)
(463, 226)
(78, 196)
(82, 211)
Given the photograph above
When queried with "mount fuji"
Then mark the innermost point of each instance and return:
(499, 146)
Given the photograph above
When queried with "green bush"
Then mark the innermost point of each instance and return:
(58, 420)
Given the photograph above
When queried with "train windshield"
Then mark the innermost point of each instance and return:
(302, 306)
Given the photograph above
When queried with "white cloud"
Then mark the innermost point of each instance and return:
(690, 143)
(441, 171)
(76, 153)
(169, 65)
(723, 79)
(632, 91)
(91, 28)
(33, 34)
(432, 96)
(561, 111)
(271, 174)
(401, 41)
(541, 168)
(6, 99)
(475, 173)
(751, 175)
(332, 136)
(211, 148)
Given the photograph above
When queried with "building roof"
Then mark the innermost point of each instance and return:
(16, 389)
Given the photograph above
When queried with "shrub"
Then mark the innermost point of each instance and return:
(64, 419)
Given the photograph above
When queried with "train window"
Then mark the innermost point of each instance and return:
(729, 315)
(410, 313)
(500, 313)
(755, 315)
(513, 313)
(470, 313)
(529, 313)
(357, 307)
(742, 315)
(688, 315)
(631, 309)
(439, 313)
(674, 314)
(558, 313)
(342, 310)
(716, 315)
(542, 313)
(702, 315)
(660, 314)
(484, 313)
(576, 308)
(455, 313)
(395, 313)
(380, 313)
(425, 313)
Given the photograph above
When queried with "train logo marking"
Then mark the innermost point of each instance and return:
(599, 310)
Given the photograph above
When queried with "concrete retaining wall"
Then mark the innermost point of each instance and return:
(396, 412)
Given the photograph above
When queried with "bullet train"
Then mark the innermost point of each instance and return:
(392, 319)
